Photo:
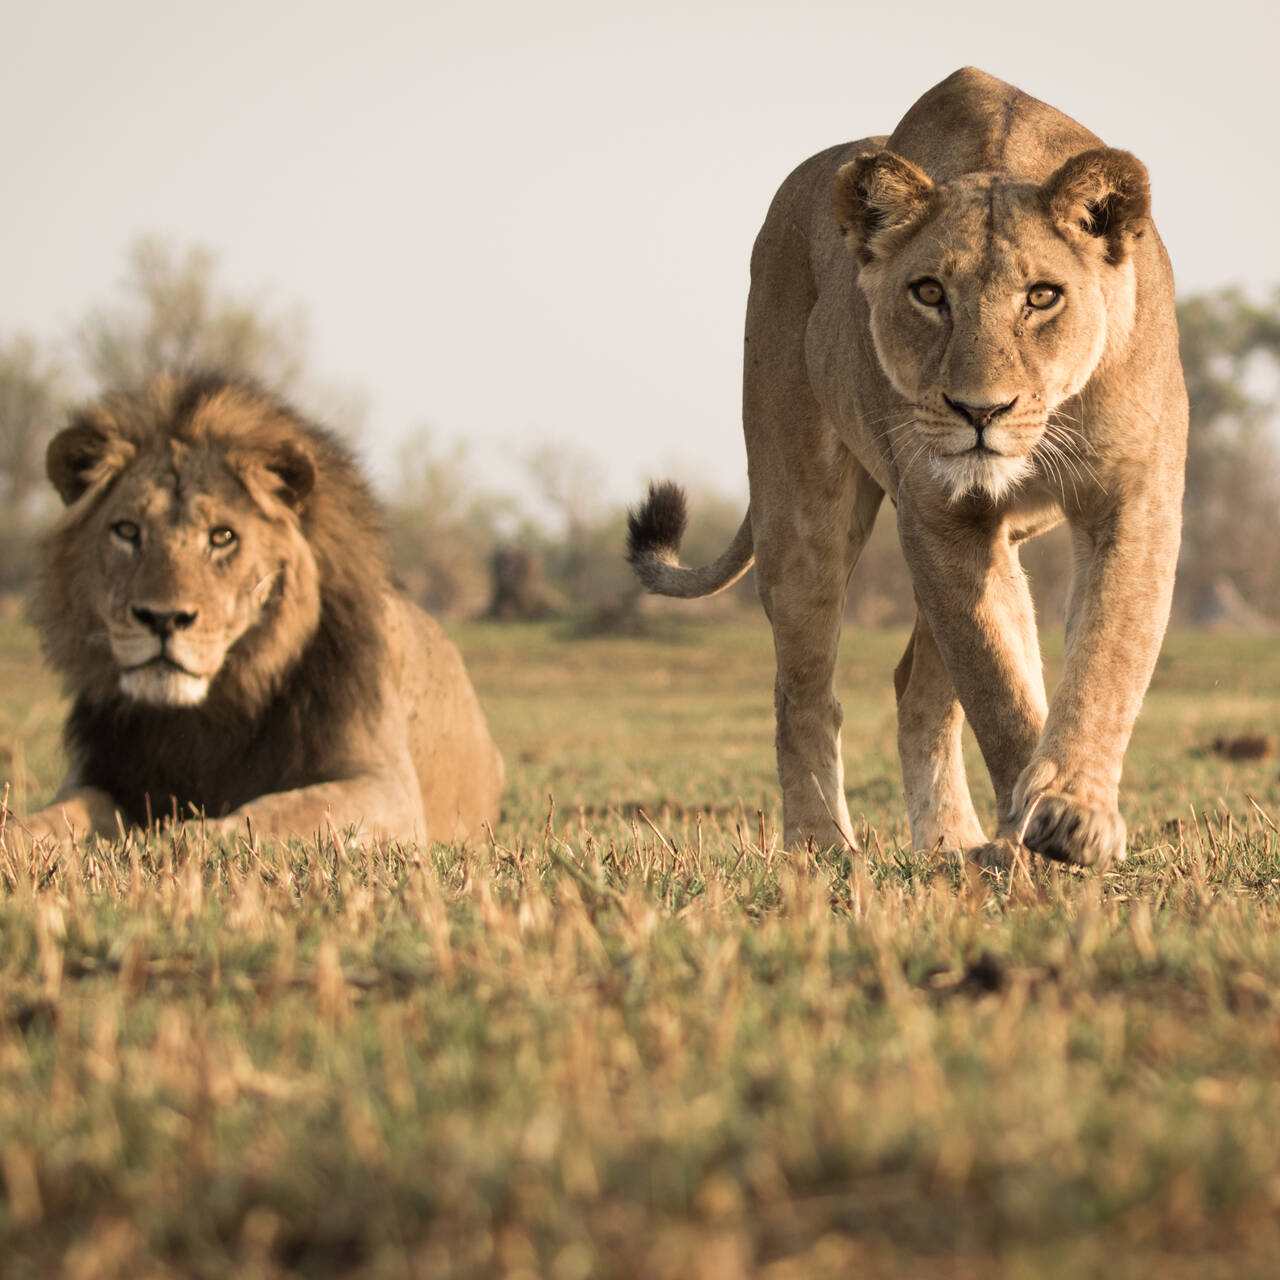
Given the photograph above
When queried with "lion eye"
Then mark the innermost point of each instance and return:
(1040, 297)
(127, 531)
(221, 536)
(929, 292)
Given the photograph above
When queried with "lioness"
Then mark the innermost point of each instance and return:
(984, 330)
(217, 597)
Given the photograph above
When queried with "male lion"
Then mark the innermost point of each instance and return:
(217, 597)
(985, 331)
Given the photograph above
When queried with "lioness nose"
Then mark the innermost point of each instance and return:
(980, 414)
(164, 622)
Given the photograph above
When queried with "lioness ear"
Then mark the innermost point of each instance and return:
(84, 456)
(877, 197)
(1104, 193)
(282, 472)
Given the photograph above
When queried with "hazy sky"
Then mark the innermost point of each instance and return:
(521, 221)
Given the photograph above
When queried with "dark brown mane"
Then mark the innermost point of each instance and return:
(254, 733)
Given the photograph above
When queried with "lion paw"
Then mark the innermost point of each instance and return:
(46, 827)
(1069, 829)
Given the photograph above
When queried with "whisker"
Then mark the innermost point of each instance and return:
(915, 457)
(1073, 443)
(875, 420)
(1070, 462)
(1059, 466)
(1084, 466)
(901, 426)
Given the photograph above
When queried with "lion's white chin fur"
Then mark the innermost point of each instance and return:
(975, 471)
(163, 686)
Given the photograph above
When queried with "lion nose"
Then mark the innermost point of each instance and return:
(164, 622)
(980, 415)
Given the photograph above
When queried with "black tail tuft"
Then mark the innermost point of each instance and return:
(656, 526)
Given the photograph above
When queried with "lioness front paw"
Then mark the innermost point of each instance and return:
(1072, 830)
(993, 855)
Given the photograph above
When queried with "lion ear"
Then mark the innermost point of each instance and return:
(281, 472)
(293, 470)
(877, 198)
(1103, 193)
(86, 455)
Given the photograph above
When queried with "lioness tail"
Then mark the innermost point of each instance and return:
(654, 530)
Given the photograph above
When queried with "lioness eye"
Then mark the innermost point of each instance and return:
(1043, 296)
(221, 536)
(929, 292)
(126, 531)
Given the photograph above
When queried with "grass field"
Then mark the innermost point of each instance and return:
(628, 1036)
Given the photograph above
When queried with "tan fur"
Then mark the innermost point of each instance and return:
(276, 681)
(855, 388)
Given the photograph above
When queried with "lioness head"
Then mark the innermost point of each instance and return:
(992, 299)
(181, 563)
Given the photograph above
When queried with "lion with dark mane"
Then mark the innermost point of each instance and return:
(974, 316)
(217, 598)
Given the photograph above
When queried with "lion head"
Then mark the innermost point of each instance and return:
(207, 531)
(992, 299)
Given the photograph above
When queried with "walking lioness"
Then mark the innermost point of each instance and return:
(982, 328)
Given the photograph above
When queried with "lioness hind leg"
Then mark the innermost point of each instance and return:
(930, 722)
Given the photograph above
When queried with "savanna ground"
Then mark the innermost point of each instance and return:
(627, 1036)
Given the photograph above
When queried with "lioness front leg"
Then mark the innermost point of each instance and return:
(1066, 801)
(975, 598)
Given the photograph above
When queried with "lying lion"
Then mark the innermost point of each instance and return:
(216, 596)
(984, 330)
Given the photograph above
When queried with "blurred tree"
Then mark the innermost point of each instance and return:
(521, 592)
(582, 558)
(173, 315)
(442, 527)
(32, 393)
(1231, 534)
